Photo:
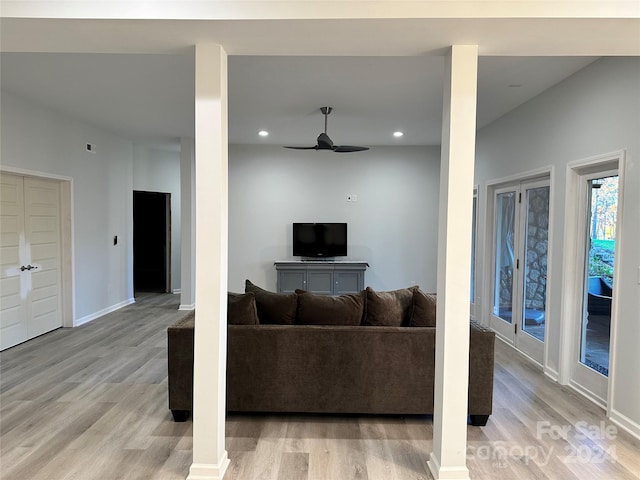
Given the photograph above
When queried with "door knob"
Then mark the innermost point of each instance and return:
(28, 267)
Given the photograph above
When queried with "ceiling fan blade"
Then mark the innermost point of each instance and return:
(349, 149)
(303, 148)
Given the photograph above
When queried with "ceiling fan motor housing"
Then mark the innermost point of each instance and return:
(324, 142)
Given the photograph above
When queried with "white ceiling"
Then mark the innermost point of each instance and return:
(149, 98)
(378, 63)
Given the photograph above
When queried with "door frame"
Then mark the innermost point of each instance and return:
(168, 288)
(545, 172)
(573, 269)
(475, 299)
(67, 286)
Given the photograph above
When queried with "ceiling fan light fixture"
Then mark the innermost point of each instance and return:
(325, 143)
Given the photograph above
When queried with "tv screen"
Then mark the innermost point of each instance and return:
(319, 239)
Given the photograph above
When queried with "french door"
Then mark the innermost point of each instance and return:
(598, 224)
(521, 235)
(30, 242)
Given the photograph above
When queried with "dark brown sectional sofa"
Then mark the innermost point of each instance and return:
(313, 362)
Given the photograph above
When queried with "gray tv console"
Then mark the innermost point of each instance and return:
(323, 277)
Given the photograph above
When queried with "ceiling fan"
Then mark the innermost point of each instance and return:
(325, 143)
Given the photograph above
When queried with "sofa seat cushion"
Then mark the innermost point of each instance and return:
(273, 308)
(423, 313)
(242, 309)
(316, 309)
(388, 309)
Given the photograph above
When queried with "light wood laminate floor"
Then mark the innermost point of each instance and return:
(90, 403)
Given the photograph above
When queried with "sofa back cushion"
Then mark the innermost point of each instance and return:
(424, 309)
(316, 309)
(241, 309)
(388, 309)
(273, 308)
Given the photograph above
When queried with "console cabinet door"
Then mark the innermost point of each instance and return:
(348, 282)
(290, 280)
(320, 281)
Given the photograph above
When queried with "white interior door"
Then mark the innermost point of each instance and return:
(30, 245)
(521, 230)
(13, 314)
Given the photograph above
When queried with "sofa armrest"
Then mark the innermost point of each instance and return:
(481, 365)
(180, 366)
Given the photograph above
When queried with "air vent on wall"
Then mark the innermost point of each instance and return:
(91, 148)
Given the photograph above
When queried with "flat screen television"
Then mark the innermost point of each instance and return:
(319, 240)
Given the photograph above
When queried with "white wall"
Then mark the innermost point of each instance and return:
(393, 225)
(158, 170)
(38, 139)
(594, 112)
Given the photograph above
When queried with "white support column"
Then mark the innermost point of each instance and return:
(210, 459)
(448, 459)
(188, 220)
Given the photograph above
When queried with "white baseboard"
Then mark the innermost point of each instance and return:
(513, 347)
(589, 395)
(187, 307)
(208, 471)
(88, 318)
(177, 291)
(625, 423)
(551, 373)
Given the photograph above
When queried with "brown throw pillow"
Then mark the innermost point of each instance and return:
(241, 309)
(273, 308)
(316, 309)
(388, 309)
(424, 309)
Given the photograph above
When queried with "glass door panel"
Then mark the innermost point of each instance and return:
(536, 239)
(505, 208)
(598, 286)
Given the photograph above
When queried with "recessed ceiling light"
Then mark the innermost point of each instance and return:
(398, 134)
(263, 133)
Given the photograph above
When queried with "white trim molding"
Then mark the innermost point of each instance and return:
(625, 423)
(100, 313)
(34, 173)
(205, 471)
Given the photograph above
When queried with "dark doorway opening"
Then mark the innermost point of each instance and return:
(151, 242)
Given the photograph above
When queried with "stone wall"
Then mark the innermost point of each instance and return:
(537, 244)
